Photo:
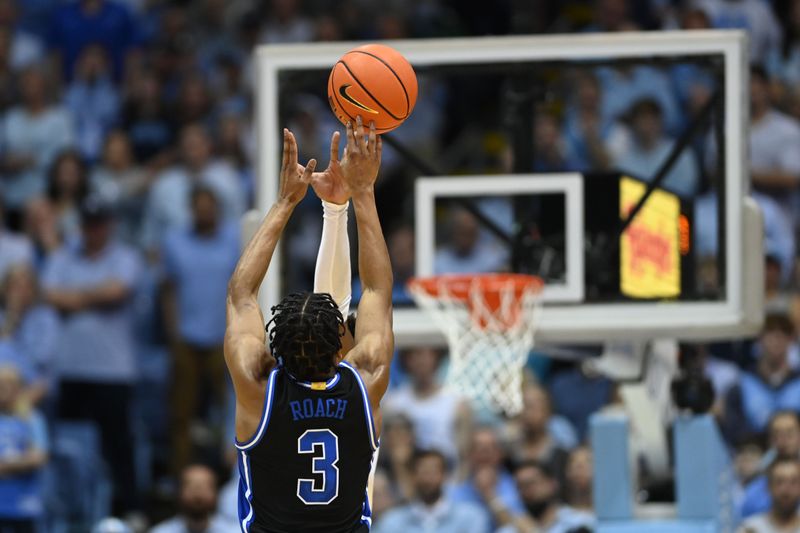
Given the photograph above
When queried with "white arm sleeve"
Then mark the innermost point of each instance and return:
(332, 273)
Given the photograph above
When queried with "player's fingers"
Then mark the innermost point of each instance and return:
(285, 162)
(309, 171)
(379, 147)
(373, 145)
(351, 140)
(360, 140)
(292, 148)
(335, 147)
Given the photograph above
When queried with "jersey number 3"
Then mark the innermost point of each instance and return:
(323, 444)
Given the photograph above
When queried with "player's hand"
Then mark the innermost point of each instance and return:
(362, 157)
(295, 178)
(329, 184)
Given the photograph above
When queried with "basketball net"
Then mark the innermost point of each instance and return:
(489, 321)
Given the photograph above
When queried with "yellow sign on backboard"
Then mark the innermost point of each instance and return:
(650, 265)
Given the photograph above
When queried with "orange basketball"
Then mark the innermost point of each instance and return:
(376, 82)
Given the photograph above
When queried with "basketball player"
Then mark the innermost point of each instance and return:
(307, 419)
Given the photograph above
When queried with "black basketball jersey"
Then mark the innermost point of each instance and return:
(306, 468)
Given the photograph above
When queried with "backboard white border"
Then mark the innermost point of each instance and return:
(732, 317)
(429, 189)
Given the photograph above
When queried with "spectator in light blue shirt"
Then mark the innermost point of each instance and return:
(30, 325)
(650, 148)
(624, 85)
(197, 501)
(23, 452)
(465, 252)
(779, 237)
(31, 135)
(92, 282)
(197, 261)
(169, 202)
(488, 481)
(93, 100)
(431, 511)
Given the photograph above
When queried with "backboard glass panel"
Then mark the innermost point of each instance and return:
(441, 197)
(496, 108)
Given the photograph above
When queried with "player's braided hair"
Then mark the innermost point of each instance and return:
(305, 334)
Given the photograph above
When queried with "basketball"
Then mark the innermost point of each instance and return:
(376, 82)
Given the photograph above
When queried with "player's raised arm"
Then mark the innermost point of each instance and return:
(245, 338)
(372, 354)
(332, 273)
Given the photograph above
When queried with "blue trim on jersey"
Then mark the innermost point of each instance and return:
(270, 392)
(246, 514)
(366, 511)
(367, 406)
(310, 385)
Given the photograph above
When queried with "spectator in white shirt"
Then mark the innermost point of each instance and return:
(774, 136)
(440, 417)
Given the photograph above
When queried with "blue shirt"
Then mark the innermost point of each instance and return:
(482, 258)
(757, 498)
(506, 491)
(37, 337)
(621, 91)
(21, 494)
(96, 344)
(11, 355)
(682, 179)
(200, 268)
(112, 26)
(567, 519)
(168, 203)
(443, 517)
(779, 239)
(95, 107)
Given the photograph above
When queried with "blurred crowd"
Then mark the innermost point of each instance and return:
(127, 159)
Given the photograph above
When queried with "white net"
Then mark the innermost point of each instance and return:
(489, 321)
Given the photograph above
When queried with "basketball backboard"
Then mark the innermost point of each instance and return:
(656, 277)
